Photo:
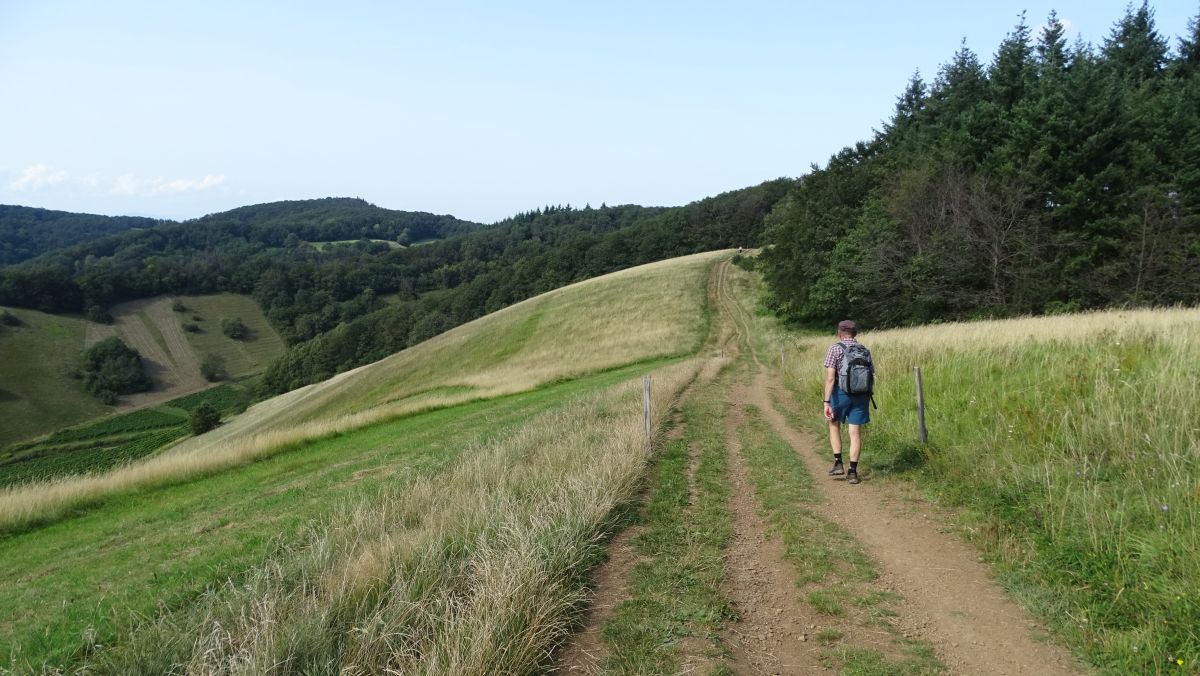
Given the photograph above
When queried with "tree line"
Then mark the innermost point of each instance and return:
(28, 232)
(1056, 177)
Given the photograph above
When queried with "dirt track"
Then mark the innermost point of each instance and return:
(947, 598)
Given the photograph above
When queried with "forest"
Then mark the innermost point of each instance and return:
(27, 232)
(1056, 177)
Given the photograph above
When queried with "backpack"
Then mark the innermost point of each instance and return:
(856, 375)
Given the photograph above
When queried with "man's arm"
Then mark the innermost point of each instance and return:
(830, 378)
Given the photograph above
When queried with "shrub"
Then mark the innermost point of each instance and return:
(204, 417)
(98, 314)
(212, 367)
(191, 328)
(178, 306)
(111, 368)
(9, 319)
(234, 328)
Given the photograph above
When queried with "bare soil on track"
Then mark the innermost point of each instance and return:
(946, 596)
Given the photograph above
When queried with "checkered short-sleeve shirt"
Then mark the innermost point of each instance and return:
(833, 356)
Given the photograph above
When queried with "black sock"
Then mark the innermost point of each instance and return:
(837, 458)
(854, 466)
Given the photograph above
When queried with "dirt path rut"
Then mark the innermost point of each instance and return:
(948, 598)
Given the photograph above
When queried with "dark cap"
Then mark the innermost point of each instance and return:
(848, 326)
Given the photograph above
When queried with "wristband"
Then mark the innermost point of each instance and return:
(826, 402)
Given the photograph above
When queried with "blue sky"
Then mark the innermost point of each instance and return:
(477, 109)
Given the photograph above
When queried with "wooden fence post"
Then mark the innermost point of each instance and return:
(782, 362)
(646, 409)
(922, 433)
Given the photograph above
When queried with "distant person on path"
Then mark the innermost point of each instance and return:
(849, 379)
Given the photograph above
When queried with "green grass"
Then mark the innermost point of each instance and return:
(326, 246)
(1078, 469)
(675, 590)
(113, 441)
(37, 394)
(159, 549)
(1070, 446)
(241, 357)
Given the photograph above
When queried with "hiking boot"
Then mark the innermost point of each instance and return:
(837, 469)
(852, 477)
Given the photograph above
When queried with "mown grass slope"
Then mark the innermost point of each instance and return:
(37, 393)
(557, 447)
(241, 358)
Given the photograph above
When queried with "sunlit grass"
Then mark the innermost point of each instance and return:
(478, 569)
(634, 315)
(1072, 442)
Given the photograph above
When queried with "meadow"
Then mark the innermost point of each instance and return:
(640, 314)
(1071, 445)
(37, 393)
(113, 441)
(241, 358)
(447, 504)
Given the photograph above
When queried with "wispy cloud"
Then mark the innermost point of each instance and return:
(129, 184)
(38, 176)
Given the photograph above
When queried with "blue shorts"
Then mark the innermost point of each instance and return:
(851, 408)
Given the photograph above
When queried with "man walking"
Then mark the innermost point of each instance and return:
(848, 384)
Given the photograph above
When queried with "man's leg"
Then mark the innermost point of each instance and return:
(855, 449)
(835, 441)
(855, 442)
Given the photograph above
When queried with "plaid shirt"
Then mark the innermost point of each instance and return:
(833, 356)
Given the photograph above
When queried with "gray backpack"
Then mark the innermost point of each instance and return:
(857, 372)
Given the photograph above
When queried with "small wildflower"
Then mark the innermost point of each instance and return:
(1166, 508)
(1179, 661)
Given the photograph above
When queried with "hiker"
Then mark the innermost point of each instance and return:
(849, 379)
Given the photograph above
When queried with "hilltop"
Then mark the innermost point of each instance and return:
(28, 232)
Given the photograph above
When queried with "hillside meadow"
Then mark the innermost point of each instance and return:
(132, 576)
(1071, 446)
(37, 393)
(644, 313)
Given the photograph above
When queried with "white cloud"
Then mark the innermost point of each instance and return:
(128, 184)
(38, 176)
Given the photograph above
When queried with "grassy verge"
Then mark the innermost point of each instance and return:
(832, 570)
(478, 569)
(78, 582)
(675, 590)
(1072, 447)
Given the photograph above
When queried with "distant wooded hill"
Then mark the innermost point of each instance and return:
(27, 232)
(1057, 177)
(348, 305)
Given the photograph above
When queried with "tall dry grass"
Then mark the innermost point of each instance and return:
(1073, 442)
(638, 314)
(477, 570)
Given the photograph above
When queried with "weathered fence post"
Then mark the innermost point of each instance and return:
(782, 362)
(922, 433)
(646, 409)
